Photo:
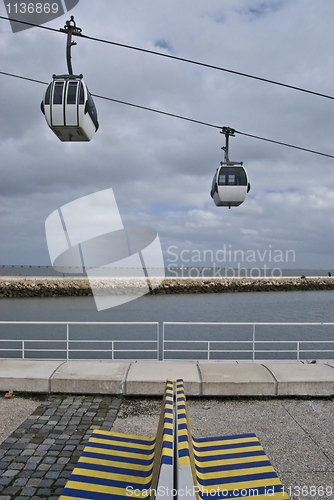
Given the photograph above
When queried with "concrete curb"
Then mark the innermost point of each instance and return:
(148, 378)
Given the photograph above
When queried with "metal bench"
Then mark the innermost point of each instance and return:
(115, 465)
(221, 467)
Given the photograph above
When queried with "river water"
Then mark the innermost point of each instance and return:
(258, 307)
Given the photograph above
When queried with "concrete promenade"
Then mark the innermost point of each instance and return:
(147, 378)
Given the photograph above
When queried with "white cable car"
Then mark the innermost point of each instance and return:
(69, 109)
(230, 183)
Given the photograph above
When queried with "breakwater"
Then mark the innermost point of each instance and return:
(69, 286)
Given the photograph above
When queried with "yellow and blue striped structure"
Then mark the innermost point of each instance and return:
(115, 465)
(221, 467)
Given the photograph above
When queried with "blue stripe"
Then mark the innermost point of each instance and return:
(130, 460)
(168, 431)
(230, 446)
(228, 456)
(111, 483)
(113, 470)
(225, 467)
(167, 460)
(124, 439)
(223, 438)
(111, 448)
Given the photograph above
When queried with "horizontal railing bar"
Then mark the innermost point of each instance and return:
(103, 350)
(247, 341)
(239, 323)
(106, 341)
(156, 322)
(83, 341)
(211, 341)
(315, 350)
(79, 323)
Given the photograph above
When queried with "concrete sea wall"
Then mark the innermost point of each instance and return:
(69, 286)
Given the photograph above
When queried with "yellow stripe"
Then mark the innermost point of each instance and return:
(97, 488)
(65, 497)
(123, 444)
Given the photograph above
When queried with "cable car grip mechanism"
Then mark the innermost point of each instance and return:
(70, 29)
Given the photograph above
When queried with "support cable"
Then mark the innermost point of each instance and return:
(183, 59)
(180, 117)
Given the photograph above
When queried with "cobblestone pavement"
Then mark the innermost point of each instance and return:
(38, 458)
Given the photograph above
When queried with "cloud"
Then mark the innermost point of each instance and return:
(159, 167)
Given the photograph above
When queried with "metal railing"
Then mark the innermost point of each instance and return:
(67, 342)
(207, 348)
(163, 345)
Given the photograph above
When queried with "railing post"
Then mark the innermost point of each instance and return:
(112, 349)
(298, 350)
(253, 342)
(158, 343)
(22, 349)
(163, 341)
(67, 341)
(208, 350)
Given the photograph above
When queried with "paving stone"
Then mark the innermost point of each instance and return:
(4, 481)
(12, 490)
(34, 482)
(17, 465)
(46, 483)
(28, 491)
(21, 481)
(9, 473)
(45, 492)
(39, 457)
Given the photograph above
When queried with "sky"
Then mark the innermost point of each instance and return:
(160, 168)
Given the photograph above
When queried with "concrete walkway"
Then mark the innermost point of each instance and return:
(297, 435)
(147, 378)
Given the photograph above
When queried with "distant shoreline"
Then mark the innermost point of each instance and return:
(39, 286)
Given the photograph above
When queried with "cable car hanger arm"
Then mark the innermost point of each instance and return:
(70, 29)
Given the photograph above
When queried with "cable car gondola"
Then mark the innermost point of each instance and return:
(230, 183)
(68, 106)
(69, 109)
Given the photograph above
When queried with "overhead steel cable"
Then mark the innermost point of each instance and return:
(180, 117)
(183, 59)
(284, 144)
